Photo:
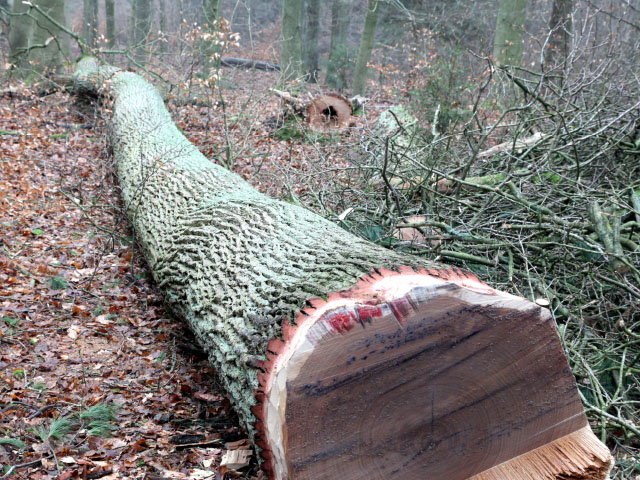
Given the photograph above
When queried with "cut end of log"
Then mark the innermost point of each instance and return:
(577, 456)
(329, 112)
(419, 374)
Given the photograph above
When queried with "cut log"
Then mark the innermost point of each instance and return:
(343, 359)
(249, 63)
(329, 112)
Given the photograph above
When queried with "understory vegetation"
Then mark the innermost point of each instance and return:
(527, 175)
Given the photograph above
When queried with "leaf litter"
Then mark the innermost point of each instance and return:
(96, 378)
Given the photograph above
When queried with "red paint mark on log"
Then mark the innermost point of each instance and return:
(342, 320)
(401, 308)
(368, 305)
(368, 312)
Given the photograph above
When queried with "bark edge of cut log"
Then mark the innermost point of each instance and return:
(342, 358)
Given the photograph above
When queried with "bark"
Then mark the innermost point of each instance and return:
(49, 44)
(560, 27)
(19, 34)
(338, 50)
(337, 366)
(366, 45)
(110, 13)
(509, 36)
(291, 52)
(90, 21)
(311, 38)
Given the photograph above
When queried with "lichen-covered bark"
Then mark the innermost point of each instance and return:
(232, 262)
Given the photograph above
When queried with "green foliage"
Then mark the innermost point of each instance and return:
(100, 411)
(14, 442)
(294, 131)
(37, 231)
(99, 418)
(57, 430)
(58, 283)
(12, 322)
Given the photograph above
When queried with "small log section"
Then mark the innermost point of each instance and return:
(343, 359)
(330, 112)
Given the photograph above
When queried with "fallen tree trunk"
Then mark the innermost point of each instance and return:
(343, 359)
(249, 63)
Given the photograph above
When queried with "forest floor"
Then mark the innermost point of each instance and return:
(97, 380)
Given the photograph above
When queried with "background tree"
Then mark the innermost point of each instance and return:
(366, 45)
(90, 21)
(19, 34)
(110, 14)
(162, 23)
(3, 4)
(141, 29)
(311, 37)
(49, 45)
(339, 49)
(509, 37)
(560, 27)
(291, 51)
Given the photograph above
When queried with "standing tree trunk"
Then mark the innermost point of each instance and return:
(4, 4)
(343, 359)
(110, 12)
(49, 44)
(20, 27)
(162, 24)
(210, 49)
(560, 28)
(366, 45)
(311, 37)
(291, 49)
(142, 29)
(509, 37)
(90, 21)
(132, 23)
(336, 76)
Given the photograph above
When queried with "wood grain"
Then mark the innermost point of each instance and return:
(439, 382)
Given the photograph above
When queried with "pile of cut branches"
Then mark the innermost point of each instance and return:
(541, 199)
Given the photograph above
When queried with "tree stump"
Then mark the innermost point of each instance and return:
(329, 112)
(343, 359)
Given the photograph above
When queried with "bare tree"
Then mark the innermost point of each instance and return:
(366, 45)
(338, 50)
(560, 26)
(508, 43)
(110, 13)
(90, 21)
(19, 34)
(311, 37)
(49, 44)
(291, 52)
